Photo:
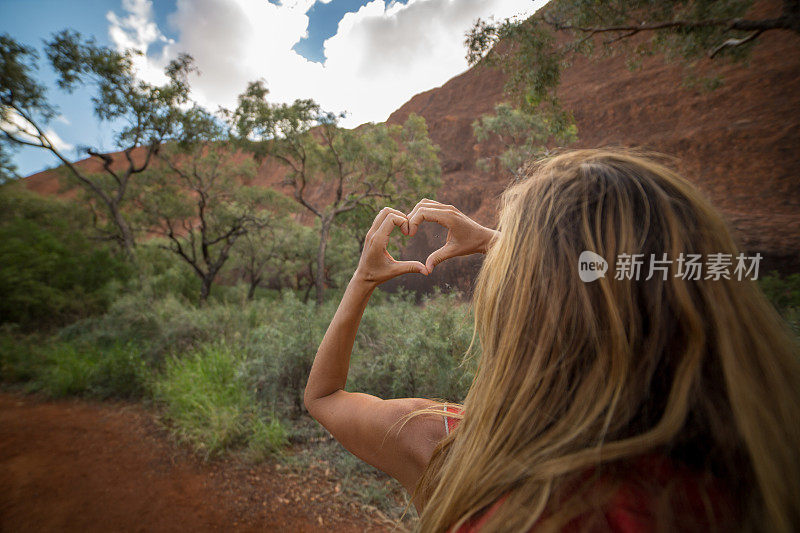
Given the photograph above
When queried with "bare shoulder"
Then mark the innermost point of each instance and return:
(423, 432)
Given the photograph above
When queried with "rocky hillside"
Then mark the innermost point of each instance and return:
(740, 143)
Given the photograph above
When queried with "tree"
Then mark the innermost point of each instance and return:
(533, 57)
(353, 167)
(355, 221)
(278, 250)
(50, 272)
(522, 135)
(199, 197)
(145, 116)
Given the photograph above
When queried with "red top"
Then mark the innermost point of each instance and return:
(630, 508)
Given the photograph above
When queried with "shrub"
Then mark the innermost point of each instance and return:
(207, 403)
(20, 358)
(117, 371)
(203, 399)
(267, 437)
(170, 325)
(282, 349)
(403, 349)
(784, 293)
(52, 274)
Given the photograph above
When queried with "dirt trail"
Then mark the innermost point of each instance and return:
(84, 466)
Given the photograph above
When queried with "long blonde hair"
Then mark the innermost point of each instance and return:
(585, 377)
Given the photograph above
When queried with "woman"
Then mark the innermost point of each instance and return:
(668, 403)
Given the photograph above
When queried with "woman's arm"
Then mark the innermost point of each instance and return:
(369, 427)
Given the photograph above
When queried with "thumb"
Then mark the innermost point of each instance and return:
(410, 267)
(437, 256)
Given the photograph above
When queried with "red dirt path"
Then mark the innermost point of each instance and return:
(86, 466)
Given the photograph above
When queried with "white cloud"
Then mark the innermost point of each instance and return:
(60, 144)
(379, 58)
(137, 31)
(16, 126)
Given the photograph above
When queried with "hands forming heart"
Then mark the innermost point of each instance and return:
(464, 237)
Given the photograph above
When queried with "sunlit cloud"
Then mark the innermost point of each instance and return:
(380, 56)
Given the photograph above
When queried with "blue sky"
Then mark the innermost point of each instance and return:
(323, 23)
(362, 57)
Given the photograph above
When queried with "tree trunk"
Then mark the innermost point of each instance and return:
(319, 275)
(251, 292)
(127, 241)
(205, 288)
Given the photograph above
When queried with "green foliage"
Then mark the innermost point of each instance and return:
(390, 164)
(784, 293)
(421, 355)
(160, 273)
(169, 325)
(523, 136)
(21, 358)
(280, 352)
(200, 200)
(532, 63)
(535, 51)
(60, 368)
(208, 404)
(51, 272)
(17, 63)
(267, 437)
(115, 371)
(143, 115)
(274, 252)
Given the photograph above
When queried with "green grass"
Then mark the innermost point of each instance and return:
(207, 403)
(71, 369)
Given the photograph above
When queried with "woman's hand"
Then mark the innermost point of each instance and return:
(376, 264)
(464, 235)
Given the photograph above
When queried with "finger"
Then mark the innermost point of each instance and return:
(437, 256)
(381, 216)
(441, 215)
(424, 203)
(382, 235)
(409, 267)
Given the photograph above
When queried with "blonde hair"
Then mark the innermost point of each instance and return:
(585, 377)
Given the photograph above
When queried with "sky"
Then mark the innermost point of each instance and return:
(362, 57)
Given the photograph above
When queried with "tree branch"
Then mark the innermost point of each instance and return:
(732, 43)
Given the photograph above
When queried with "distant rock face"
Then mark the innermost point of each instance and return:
(740, 143)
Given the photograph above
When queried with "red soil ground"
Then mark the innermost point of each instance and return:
(74, 465)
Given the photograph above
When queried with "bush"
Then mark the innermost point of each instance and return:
(20, 357)
(117, 371)
(163, 274)
(52, 274)
(281, 350)
(407, 350)
(207, 403)
(64, 369)
(784, 293)
(267, 437)
(170, 325)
